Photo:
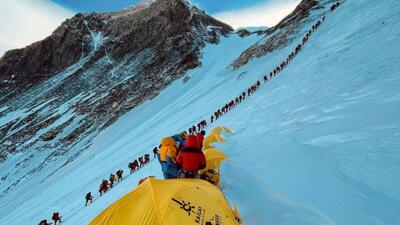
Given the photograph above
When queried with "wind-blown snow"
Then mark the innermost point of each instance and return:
(318, 144)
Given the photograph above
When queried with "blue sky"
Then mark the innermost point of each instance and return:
(23, 22)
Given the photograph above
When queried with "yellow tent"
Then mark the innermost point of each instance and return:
(214, 158)
(213, 154)
(215, 136)
(170, 202)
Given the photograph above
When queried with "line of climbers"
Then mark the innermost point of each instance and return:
(139, 163)
(334, 6)
(181, 155)
(106, 185)
(234, 102)
(239, 99)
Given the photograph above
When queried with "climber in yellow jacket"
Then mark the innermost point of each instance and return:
(168, 152)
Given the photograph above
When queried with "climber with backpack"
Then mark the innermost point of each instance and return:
(191, 159)
(225, 108)
(136, 164)
(168, 152)
(131, 167)
(56, 218)
(89, 198)
(103, 187)
(155, 152)
(231, 104)
(119, 175)
(146, 158)
(203, 124)
(141, 161)
(112, 180)
(194, 129)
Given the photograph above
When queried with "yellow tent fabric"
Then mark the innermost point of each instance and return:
(221, 128)
(215, 136)
(237, 216)
(214, 158)
(214, 154)
(170, 202)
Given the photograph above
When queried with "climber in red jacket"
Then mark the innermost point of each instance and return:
(191, 159)
(200, 138)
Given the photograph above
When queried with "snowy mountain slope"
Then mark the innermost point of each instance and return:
(133, 134)
(56, 95)
(324, 136)
(93, 69)
(318, 144)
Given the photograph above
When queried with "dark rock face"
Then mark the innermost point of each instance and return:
(94, 68)
(127, 32)
(279, 36)
(40, 60)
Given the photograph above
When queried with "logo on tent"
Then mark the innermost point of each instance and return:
(185, 206)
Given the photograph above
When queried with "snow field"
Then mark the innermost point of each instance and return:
(318, 144)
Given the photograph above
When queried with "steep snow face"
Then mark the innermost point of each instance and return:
(100, 68)
(318, 144)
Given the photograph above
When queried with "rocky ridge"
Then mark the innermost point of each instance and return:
(280, 35)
